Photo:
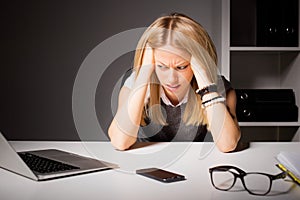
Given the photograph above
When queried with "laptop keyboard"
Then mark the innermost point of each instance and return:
(44, 165)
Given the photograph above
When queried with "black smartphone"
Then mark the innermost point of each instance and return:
(160, 175)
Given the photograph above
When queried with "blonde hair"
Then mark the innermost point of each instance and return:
(184, 33)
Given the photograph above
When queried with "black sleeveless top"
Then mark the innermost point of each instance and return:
(176, 130)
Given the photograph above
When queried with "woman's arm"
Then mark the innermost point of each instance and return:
(222, 122)
(125, 125)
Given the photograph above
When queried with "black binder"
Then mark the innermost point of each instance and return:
(266, 105)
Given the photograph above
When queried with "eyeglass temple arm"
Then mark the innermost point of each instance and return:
(281, 175)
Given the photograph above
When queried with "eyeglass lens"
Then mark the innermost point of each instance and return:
(223, 180)
(254, 182)
(257, 183)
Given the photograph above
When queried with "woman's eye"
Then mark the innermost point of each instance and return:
(182, 67)
(162, 67)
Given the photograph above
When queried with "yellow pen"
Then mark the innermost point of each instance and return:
(290, 174)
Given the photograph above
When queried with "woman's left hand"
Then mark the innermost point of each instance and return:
(203, 77)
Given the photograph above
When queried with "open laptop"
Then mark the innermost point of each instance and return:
(47, 164)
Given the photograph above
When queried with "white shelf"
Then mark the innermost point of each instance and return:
(264, 49)
(269, 124)
(260, 67)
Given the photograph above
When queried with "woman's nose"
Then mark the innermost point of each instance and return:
(173, 76)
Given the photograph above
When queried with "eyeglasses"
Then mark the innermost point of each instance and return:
(256, 183)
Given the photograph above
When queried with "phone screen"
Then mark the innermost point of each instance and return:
(160, 175)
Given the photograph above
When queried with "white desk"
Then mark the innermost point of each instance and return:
(190, 159)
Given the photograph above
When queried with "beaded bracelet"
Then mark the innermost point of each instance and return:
(217, 99)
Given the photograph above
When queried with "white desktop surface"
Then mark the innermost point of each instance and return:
(190, 159)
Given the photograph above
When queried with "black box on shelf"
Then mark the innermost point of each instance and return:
(264, 23)
(266, 105)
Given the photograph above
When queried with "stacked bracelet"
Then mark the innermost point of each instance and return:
(217, 99)
(206, 90)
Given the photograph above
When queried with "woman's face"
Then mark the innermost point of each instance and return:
(172, 67)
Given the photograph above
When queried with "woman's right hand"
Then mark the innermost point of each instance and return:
(126, 123)
(148, 60)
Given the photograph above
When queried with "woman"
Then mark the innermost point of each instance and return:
(174, 91)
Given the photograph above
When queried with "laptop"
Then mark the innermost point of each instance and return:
(47, 164)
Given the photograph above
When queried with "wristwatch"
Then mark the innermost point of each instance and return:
(206, 90)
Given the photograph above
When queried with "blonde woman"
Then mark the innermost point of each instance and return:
(174, 92)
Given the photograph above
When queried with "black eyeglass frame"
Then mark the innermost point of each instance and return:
(241, 175)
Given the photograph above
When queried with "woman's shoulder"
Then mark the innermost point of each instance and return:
(224, 86)
(227, 84)
(128, 78)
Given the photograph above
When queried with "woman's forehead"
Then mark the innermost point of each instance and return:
(169, 52)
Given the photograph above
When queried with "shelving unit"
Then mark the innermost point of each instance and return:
(260, 68)
(279, 49)
(257, 124)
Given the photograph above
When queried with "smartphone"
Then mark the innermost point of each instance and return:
(160, 175)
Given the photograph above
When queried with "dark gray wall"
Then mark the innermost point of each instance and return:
(43, 44)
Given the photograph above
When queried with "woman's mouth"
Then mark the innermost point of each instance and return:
(172, 88)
